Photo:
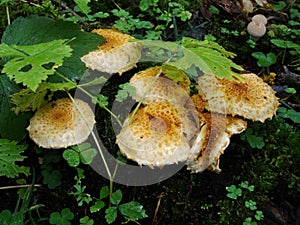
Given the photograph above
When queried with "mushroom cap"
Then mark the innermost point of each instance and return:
(212, 139)
(256, 29)
(260, 18)
(163, 89)
(253, 99)
(156, 135)
(60, 124)
(117, 55)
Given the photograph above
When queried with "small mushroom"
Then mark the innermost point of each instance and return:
(61, 123)
(157, 135)
(253, 99)
(163, 89)
(117, 55)
(260, 18)
(256, 29)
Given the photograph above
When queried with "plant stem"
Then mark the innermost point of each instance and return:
(20, 186)
(7, 14)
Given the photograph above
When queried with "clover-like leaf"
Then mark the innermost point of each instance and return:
(36, 63)
(233, 192)
(80, 153)
(62, 218)
(265, 60)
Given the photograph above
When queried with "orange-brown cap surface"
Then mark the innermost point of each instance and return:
(60, 124)
(117, 55)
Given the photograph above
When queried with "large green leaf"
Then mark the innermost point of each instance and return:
(36, 29)
(10, 153)
(12, 126)
(35, 63)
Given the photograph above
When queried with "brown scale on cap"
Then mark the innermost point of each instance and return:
(253, 99)
(164, 89)
(59, 124)
(117, 55)
(155, 137)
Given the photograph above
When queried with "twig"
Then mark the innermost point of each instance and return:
(71, 11)
(155, 221)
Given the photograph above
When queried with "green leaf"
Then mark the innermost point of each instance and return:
(37, 62)
(144, 4)
(279, 6)
(116, 197)
(289, 114)
(52, 178)
(12, 126)
(37, 29)
(72, 157)
(86, 221)
(285, 44)
(10, 153)
(104, 192)
(28, 100)
(62, 218)
(125, 91)
(173, 73)
(111, 214)
(80, 153)
(99, 204)
(233, 192)
(209, 58)
(265, 60)
(83, 5)
(290, 90)
(132, 211)
(102, 100)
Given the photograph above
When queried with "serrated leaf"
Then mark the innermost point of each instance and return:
(28, 100)
(38, 29)
(10, 153)
(202, 56)
(99, 204)
(116, 197)
(132, 211)
(83, 5)
(37, 63)
(12, 126)
(125, 91)
(111, 214)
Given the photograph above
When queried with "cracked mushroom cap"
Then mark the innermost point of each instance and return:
(253, 99)
(156, 135)
(117, 55)
(60, 124)
(212, 140)
(163, 89)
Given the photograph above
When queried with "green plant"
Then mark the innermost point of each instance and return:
(265, 60)
(62, 218)
(241, 204)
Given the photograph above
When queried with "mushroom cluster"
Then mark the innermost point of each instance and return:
(257, 27)
(173, 127)
(117, 55)
(61, 123)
